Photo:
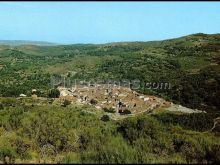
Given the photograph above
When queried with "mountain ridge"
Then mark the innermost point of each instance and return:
(46, 43)
(26, 42)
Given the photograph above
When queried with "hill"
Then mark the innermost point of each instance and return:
(24, 42)
(41, 128)
(190, 64)
(41, 131)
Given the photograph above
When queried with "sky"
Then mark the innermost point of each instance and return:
(104, 22)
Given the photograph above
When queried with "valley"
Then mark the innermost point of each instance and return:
(46, 121)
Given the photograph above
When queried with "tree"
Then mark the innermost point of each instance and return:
(105, 118)
(93, 101)
(54, 93)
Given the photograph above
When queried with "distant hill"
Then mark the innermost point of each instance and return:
(25, 42)
(191, 64)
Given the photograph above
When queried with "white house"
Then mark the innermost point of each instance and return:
(23, 95)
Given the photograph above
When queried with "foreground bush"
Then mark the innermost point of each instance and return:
(69, 135)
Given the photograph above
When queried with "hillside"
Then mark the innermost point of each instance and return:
(190, 64)
(24, 42)
(42, 122)
(39, 130)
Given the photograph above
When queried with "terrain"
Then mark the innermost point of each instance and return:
(45, 128)
(190, 64)
(23, 42)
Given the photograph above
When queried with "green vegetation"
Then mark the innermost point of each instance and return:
(109, 110)
(197, 122)
(66, 103)
(190, 64)
(49, 133)
(125, 112)
(39, 130)
(54, 93)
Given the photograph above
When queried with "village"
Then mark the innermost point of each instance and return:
(117, 99)
(114, 99)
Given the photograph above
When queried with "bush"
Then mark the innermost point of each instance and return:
(66, 103)
(110, 110)
(47, 133)
(125, 112)
(105, 118)
(134, 128)
(7, 154)
(114, 151)
(193, 152)
(54, 93)
(93, 101)
(1, 106)
(7, 151)
(194, 121)
(214, 154)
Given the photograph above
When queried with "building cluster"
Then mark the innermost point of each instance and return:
(115, 98)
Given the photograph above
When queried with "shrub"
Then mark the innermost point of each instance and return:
(1, 106)
(213, 155)
(134, 128)
(114, 151)
(124, 112)
(66, 103)
(105, 118)
(7, 151)
(110, 110)
(193, 152)
(93, 101)
(54, 93)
